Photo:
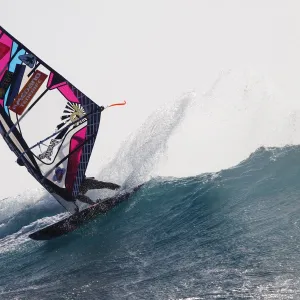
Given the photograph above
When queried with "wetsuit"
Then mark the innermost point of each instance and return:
(93, 184)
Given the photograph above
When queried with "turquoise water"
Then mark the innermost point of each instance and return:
(227, 235)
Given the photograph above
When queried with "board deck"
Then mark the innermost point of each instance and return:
(76, 220)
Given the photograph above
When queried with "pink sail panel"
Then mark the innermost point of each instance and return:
(74, 159)
(68, 93)
(55, 81)
(5, 51)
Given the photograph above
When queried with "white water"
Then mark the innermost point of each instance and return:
(141, 153)
(240, 113)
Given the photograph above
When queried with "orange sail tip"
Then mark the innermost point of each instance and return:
(117, 104)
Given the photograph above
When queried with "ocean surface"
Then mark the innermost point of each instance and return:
(233, 234)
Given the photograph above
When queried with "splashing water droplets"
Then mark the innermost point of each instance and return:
(141, 153)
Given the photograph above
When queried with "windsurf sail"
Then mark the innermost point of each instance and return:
(46, 121)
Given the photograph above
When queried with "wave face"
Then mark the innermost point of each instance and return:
(227, 235)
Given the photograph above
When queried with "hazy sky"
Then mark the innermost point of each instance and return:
(152, 52)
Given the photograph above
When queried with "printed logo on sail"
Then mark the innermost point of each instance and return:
(48, 153)
(28, 59)
(27, 93)
(5, 83)
(58, 174)
(4, 49)
(73, 112)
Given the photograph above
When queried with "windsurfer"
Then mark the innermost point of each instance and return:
(90, 183)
